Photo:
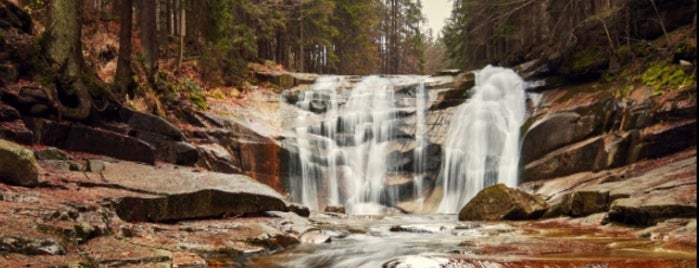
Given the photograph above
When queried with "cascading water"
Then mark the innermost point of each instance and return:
(482, 146)
(344, 146)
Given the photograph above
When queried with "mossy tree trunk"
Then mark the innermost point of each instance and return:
(63, 48)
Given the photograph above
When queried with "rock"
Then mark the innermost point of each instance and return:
(176, 194)
(686, 66)
(52, 153)
(14, 17)
(554, 131)
(315, 237)
(455, 95)
(111, 252)
(151, 123)
(532, 69)
(451, 72)
(655, 206)
(588, 155)
(169, 149)
(16, 131)
(94, 165)
(81, 138)
(8, 113)
(187, 260)
(17, 165)
(216, 158)
(335, 209)
(499, 202)
(299, 209)
(654, 140)
(583, 203)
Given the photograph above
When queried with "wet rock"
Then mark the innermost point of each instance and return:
(81, 138)
(335, 209)
(554, 131)
(451, 96)
(299, 209)
(499, 202)
(315, 237)
(17, 164)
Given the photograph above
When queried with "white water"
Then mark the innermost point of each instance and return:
(482, 146)
(343, 151)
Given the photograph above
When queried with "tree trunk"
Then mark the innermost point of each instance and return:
(63, 48)
(163, 20)
(123, 79)
(149, 41)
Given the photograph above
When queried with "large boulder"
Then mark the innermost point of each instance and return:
(17, 165)
(499, 202)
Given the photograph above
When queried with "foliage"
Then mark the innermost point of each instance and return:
(662, 75)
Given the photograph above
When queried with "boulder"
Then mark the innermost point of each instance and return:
(499, 202)
(17, 165)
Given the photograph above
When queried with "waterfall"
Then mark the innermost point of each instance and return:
(482, 146)
(347, 142)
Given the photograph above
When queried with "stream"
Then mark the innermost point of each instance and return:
(442, 241)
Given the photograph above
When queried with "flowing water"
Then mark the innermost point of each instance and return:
(348, 141)
(482, 146)
(345, 133)
(440, 240)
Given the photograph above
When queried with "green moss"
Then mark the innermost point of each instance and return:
(584, 60)
(663, 76)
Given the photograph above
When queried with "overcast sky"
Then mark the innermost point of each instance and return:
(436, 12)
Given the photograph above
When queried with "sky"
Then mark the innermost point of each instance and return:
(436, 12)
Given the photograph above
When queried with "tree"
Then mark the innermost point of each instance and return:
(123, 79)
(356, 46)
(149, 41)
(62, 47)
